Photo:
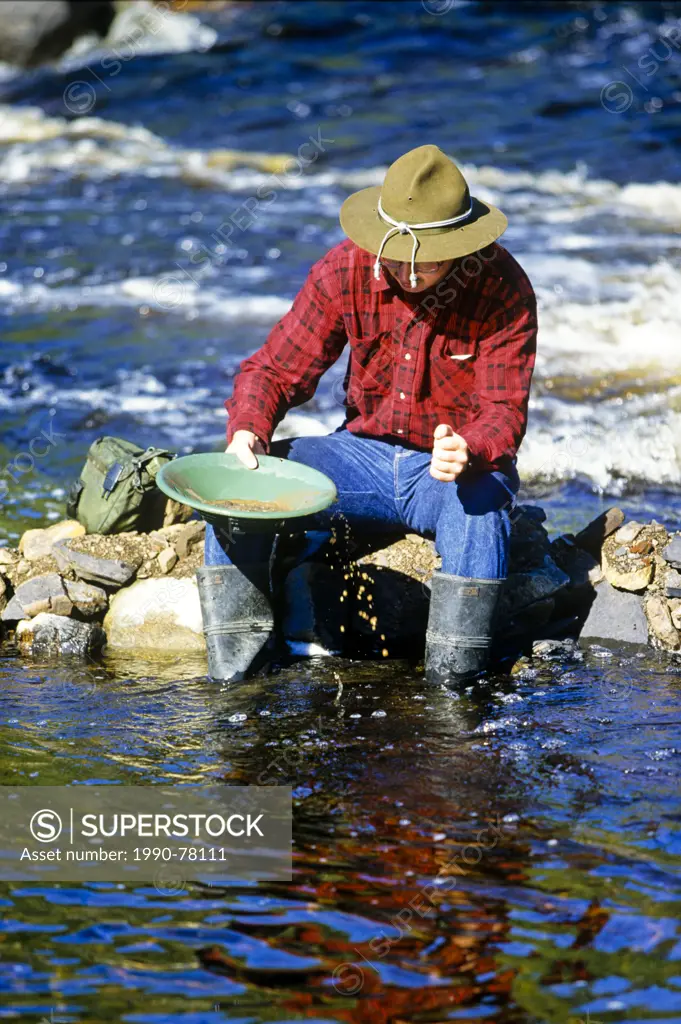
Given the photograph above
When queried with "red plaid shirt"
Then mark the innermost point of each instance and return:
(461, 353)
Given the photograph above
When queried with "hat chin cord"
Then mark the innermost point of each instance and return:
(409, 229)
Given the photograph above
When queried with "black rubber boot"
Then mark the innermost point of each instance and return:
(238, 622)
(460, 627)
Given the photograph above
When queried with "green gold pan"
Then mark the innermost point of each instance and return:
(218, 484)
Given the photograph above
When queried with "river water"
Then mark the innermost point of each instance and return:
(126, 305)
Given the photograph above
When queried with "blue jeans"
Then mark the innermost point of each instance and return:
(382, 485)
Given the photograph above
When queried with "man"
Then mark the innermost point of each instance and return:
(441, 324)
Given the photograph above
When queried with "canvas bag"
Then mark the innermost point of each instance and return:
(117, 490)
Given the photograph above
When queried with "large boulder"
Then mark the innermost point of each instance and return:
(162, 614)
(35, 31)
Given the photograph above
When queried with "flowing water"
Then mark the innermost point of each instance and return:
(512, 855)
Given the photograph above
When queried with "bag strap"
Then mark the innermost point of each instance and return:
(138, 461)
(149, 454)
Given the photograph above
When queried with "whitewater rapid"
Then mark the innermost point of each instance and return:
(603, 258)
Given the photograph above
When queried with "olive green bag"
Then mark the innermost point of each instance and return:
(117, 490)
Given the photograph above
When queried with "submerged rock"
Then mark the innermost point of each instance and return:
(162, 614)
(55, 634)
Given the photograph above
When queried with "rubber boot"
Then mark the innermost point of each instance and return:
(238, 622)
(460, 627)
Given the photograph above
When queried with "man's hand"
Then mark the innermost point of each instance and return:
(450, 454)
(244, 445)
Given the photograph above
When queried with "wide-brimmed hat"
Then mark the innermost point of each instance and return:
(423, 212)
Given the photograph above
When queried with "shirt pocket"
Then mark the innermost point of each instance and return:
(458, 350)
(371, 364)
(452, 364)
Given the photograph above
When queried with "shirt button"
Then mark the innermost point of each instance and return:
(402, 394)
(407, 356)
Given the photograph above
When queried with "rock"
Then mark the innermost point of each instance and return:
(591, 538)
(673, 583)
(575, 561)
(13, 611)
(176, 512)
(8, 556)
(583, 572)
(169, 533)
(36, 544)
(190, 534)
(595, 575)
(644, 546)
(660, 621)
(87, 599)
(40, 594)
(160, 614)
(35, 31)
(157, 541)
(616, 615)
(54, 634)
(522, 589)
(530, 543)
(167, 559)
(534, 512)
(672, 552)
(628, 533)
(111, 572)
(630, 573)
(675, 609)
(549, 650)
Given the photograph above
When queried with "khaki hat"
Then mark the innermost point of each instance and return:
(423, 209)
